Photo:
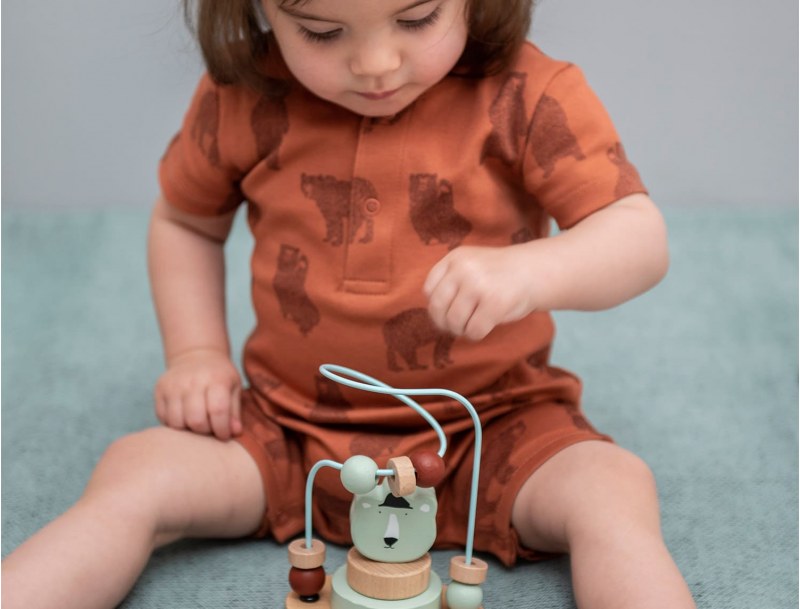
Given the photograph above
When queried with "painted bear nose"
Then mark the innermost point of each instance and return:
(390, 541)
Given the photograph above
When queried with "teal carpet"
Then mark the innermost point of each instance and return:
(699, 377)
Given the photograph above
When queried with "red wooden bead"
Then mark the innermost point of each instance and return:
(429, 467)
(307, 582)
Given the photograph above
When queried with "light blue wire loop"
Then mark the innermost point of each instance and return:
(345, 376)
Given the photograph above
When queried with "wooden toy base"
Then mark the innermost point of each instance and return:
(293, 601)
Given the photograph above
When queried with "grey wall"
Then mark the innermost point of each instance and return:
(703, 92)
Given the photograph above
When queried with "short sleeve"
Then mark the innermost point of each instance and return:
(196, 173)
(574, 162)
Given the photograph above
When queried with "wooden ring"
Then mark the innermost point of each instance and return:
(473, 573)
(306, 558)
(403, 482)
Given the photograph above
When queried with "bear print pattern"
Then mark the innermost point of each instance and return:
(432, 212)
(508, 118)
(410, 330)
(496, 461)
(289, 284)
(269, 121)
(340, 203)
(551, 138)
(331, 405)
(205, 128)
(628, 180)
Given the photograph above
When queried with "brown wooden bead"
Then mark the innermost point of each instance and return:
(402, 482)
(472, 573)
(429, 467)
(306, 558)
(307, 582)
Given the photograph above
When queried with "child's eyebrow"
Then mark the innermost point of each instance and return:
(303, 15)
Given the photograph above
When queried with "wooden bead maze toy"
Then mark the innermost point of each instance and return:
(393, 525)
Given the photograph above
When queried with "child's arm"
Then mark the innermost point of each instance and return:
(609, 257)
(200, 388)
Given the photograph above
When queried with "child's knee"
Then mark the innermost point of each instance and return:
(131, 477)
(619, 495)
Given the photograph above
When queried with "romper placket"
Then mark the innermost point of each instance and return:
(376, 197)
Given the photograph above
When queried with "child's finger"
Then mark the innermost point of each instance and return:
(441, 299)
(194, 412)
(236, 411)
(461, 310)
(160, 407)
(219, 411)
(174, 417)
(435, 275)
(479, 324)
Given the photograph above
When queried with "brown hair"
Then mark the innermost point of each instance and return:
(233, 39)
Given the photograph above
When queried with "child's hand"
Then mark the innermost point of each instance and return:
(474, 289)
(200, 391)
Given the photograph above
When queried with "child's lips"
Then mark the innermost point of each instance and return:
(377, 95)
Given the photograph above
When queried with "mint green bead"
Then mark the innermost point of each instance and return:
(358, 474)
(464, 596)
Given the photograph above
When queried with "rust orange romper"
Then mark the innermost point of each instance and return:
(348, 216)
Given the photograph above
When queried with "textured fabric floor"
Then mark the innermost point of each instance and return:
(699, 377)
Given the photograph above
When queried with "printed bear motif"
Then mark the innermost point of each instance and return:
(496, 469)
(269, 121)
(410, 330)
(432, 212)
(289, 284)
(205, 128)
(629, 179)
(331, 405)
(578, 419)
(508, 118)
(551, 138)
(341, 203)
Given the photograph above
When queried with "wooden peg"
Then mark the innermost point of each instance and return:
(306, 558)
(473, 573)
(402, 482)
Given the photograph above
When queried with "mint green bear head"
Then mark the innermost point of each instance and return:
(393, 529)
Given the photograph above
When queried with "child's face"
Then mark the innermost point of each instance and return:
(373, 57)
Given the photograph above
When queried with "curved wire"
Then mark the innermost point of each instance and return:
(370, 384)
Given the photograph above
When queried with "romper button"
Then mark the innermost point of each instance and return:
(372, 206)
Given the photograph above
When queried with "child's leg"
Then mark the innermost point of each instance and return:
(598, 502)
(148, 489)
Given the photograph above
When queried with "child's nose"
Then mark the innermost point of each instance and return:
(374, 58)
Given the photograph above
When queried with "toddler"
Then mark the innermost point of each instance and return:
(401, 161)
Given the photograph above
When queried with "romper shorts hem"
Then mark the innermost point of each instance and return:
(508, 548)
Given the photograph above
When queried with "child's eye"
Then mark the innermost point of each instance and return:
(312, 36)
(418, 24)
